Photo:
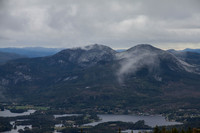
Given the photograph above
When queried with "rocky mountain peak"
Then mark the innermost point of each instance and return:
(88, 55)
(143, 47)
(96, 47)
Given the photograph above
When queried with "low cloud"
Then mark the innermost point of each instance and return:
(132, 61)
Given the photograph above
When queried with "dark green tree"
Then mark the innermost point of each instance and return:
(163, 130)
(189, 130)
(174, 130)
(182, 131)
(119, 130)
(156, 130)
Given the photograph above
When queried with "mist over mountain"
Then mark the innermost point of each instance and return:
(155, 60)
(141, 77)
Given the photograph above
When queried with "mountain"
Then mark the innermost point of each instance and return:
(88, 55)
(32, 51)
(96, 77)
(4, 57)
(155, 60)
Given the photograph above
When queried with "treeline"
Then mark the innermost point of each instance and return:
(5, 124)
(119, 130)
(175, 130)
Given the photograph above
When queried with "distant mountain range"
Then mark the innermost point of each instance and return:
(191, 50)
(32, 51)
(187, 56)
(142, 78)
(41, 51)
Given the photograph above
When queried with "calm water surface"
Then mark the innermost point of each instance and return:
(65, 115)
(136, 131)
(7, 113)
(149, 120)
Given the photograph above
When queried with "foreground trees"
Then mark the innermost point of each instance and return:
(175, 130)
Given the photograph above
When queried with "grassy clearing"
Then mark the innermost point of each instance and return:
(26, 107)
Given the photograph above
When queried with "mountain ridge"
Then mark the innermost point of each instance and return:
(31, 52)
(132, 79)
(5, 57)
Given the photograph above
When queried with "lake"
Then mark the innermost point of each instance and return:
(7, 113)
(65, 115)
(136, 131)
(151, 120)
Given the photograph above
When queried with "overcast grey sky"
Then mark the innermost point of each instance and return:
(115, 23)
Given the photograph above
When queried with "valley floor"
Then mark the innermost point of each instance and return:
(44, 120)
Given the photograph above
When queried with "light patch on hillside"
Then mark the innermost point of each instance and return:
(133, 61)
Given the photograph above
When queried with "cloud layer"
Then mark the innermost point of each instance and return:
(116, 23)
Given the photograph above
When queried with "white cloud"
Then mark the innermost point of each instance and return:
(128, 25)
(71, 23)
